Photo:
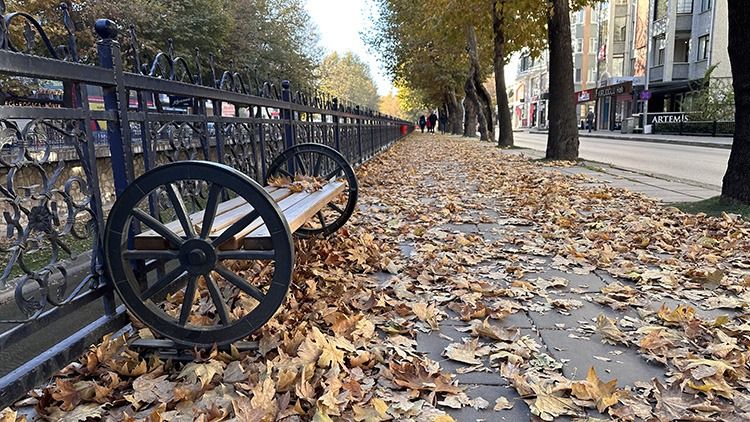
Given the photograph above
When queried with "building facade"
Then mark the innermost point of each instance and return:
(632, 56)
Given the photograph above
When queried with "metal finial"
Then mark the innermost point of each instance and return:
(106, 29)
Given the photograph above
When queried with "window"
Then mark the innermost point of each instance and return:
(579, 45)
(579, 18)
(660, 9)
(705, 5)
(592, 75)
(578, 75)
(659, 44)
(618, 62)
(621, 23)
(685, 6)
(681, 50)
(592, 15)
(592, 45)
(703, 48)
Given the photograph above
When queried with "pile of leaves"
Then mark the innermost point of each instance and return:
(344, 345)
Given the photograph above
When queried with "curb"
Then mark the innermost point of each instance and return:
(651, 140)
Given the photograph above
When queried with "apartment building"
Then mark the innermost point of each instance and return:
(531, 92)
(687, 37)
(629, 54)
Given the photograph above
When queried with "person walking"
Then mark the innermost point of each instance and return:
(443, 118)
(432, 120)
(422, 122)
(590, 120)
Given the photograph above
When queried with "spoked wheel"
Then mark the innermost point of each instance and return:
(326, 164)
(203, 288)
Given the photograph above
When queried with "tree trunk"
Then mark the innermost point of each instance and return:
(472, 88)
(455, 116)
(470, 118)
(485, 102)
(504, 122)
(562, 143)
(736, 186)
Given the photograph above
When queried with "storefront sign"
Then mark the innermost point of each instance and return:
(586, 95)
(612, 90)
(668, 118)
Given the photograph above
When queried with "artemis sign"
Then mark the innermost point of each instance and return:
(668, 118)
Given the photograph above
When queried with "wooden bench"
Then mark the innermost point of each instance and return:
(240, 221)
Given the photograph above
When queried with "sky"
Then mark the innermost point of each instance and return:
(340, 23)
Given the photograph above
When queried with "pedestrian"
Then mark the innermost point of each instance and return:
(590, 120)
(433, 121)
(422, 122)
(443, 123)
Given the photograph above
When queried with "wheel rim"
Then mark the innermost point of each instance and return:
(195, 262)
(319, 161)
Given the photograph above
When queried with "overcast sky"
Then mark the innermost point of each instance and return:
(340, 23)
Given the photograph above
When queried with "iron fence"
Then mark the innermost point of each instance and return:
(61, 168)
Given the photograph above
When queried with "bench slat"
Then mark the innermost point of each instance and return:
(296, 216)
(153, 241)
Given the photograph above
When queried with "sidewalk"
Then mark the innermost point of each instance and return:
(473, 284)
(690, 140)
(660, 188)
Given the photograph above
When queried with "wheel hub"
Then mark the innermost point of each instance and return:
(198, 256)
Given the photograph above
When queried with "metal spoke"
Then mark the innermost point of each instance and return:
(322, 220)
(179, 208)
(187, 301)
(332, 174)
(235, 228)
(316, 167)
(336, 208)
(240, 283)
(217, 299)
(162, 283)
(247, 255)
(210, 213)
(158, 227)
(286, 173)
(302, 166)
(149, 254)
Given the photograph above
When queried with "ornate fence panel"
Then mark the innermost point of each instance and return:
(63, 162)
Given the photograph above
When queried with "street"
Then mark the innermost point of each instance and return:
(699, 164)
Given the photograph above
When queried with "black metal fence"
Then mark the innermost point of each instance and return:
(61, 167)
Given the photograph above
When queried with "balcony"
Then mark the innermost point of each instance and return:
(656, 74)
(684, 23)
(680, 71)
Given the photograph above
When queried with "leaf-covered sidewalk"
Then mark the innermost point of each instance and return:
(471, 283)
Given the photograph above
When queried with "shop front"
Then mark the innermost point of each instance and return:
(615, 104)
(585, 102)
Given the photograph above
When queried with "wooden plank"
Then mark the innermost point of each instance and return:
(228, 218)
(236, 241)
(297, 215)
(150, 240)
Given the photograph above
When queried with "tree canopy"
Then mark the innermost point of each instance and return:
(347, 77)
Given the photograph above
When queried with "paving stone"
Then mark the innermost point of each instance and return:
(463, 228)
(519, 412)
(591, 282)
(433, 345)
(627, 366)
(588, 312)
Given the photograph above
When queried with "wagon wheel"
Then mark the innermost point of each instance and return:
(320, 161)
(197, 298)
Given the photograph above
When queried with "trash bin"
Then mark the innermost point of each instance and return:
(628, 125)
(404, 129)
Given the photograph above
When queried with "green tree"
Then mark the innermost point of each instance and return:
(347, 77)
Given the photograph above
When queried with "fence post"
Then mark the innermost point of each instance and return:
(359, 133)
(336, 127)
(287, 114)
(715, 128)
(115, 100)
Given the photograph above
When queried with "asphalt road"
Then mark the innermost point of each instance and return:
(700, 164)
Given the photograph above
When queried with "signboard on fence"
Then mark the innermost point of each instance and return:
(654, 118)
